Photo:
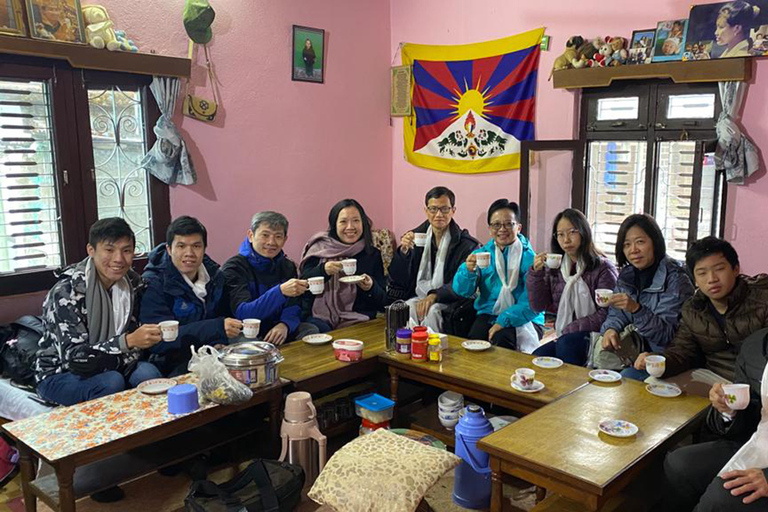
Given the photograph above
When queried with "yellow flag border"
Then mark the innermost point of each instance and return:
(411, 52)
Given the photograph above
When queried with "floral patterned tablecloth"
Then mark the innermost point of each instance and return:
(69, 430)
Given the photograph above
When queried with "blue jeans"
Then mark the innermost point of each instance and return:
(631, 373)
(321, 325)
(69, 389)
(572, 348)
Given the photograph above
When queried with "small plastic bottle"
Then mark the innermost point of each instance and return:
(435, 349)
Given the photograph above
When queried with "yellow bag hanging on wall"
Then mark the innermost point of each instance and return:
(199, 108)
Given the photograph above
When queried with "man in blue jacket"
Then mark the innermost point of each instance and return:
(261, 282)
(184, 284)
(504, 315)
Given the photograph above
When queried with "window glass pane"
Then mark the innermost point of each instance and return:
(709, 204)
(609, 109)
(119, 143)
(673, 196)
(615, 187)
(30, 236)
(691, 106)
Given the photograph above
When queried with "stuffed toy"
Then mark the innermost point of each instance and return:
(603, 54)
(568, 56)
(618, 54)
(588, 49)
(99, 31)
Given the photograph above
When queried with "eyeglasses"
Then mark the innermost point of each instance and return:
(445, 210)
(562, 235)
(506, 225)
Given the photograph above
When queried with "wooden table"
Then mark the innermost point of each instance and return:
(314, 368)
(486, 376)
(90, 432)
(560, 448)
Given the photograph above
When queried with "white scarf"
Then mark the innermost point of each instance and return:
(510, 277)
(198, 287)
(428, 279)
(576, 296)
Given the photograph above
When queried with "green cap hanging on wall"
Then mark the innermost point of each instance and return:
(198, 17)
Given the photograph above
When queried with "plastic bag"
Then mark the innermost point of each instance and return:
(216, 384)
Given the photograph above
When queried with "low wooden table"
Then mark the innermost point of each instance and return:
(560, 448)
(486, 375)
(71, 437)
(314, 368)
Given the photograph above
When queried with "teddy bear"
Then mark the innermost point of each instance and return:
(100, 32)
(618, 54)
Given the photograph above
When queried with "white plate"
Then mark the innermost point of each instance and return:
(156, 386)
(547, 362)
(617, 428)
(317, 339)
(605, 375)
(351, 279)
(537, 386)
(663, 390)
(476, 345)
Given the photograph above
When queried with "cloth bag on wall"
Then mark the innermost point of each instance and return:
(199, 108)
(168, 160)
(735, 153)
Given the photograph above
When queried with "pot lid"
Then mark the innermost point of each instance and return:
(248, 353)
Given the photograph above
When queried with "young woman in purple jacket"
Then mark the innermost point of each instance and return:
(569, 290)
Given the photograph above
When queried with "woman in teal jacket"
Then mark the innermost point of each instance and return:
(504, 316)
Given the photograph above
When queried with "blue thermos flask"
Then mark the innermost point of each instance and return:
(472, 487)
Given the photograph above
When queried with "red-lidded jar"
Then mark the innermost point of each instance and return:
(419, 345)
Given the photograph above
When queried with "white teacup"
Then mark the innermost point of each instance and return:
(602, 296)
(554, 260)
(483, 259)
(316, 285)
(170, 329)
(251, 327)
(420, 239)
(349, 266)
(736, 396)
(655, 365)
(525, 377)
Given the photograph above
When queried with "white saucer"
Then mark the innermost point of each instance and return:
(476, 345)
(351, 279)
(537, 386)
(547, 362)
(618, 428)
(663, 390)
(156, 386)
(316, 339)
(605, 375)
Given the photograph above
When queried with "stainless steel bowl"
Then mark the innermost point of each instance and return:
(254, 363)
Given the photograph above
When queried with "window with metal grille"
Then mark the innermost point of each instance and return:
(650, 148)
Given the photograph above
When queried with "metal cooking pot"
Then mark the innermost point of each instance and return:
(254, 363)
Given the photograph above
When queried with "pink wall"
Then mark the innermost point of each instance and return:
(449, 22)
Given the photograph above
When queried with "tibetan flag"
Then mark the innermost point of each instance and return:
(472, 104)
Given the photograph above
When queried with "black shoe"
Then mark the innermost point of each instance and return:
(110, 495)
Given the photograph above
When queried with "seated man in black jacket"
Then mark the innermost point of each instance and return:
(708, 473)
(422, 273)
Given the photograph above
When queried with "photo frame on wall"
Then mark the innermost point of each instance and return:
(641, 46)
(307, 55)
(12, 18)
(728, 29)
(56, 20)
(669, 43)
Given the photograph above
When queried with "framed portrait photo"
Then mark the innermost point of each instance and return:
(669, 43)
(56, 20)
(307, 55)
(641, 46)
(12, 18)
(728, 29)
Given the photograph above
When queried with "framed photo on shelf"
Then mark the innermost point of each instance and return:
(641, 46)
(12, 18)
(669, 44)
(307, 55)
(56, 20)
(728, 29)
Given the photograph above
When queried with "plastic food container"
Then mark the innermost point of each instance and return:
(374, 408)
(348, 351)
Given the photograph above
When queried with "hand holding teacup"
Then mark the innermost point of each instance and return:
(294, 287)
(333, 267)
(736, 396)
(624, 302)
(540, 261)
(232, 327)
(407, 242)
(603, 297)
(554, 260)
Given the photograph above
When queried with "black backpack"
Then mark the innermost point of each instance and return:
(264, 486)
(458, 317)
(20, 342)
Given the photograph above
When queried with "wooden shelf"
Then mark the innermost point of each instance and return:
(87, 57)
(426, 420)
(679, 72)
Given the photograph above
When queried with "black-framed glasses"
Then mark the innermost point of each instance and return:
(562, 235)
(496, 226)
(445, 210)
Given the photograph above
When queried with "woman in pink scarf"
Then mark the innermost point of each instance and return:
(348, 236)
